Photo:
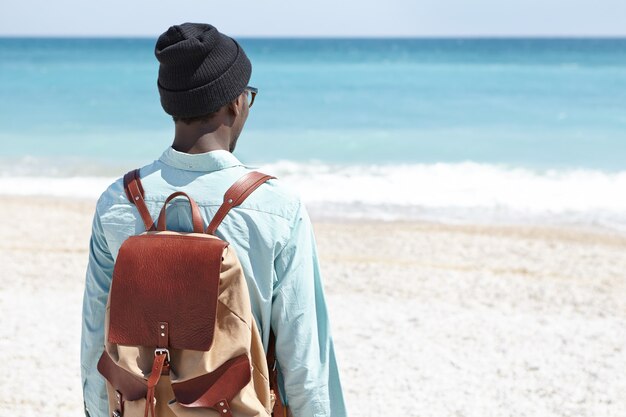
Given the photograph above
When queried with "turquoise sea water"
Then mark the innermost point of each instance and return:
(536, 103)
(512, 125)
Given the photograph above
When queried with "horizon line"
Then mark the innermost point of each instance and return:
(351, 37)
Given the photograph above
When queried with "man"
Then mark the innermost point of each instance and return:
(203, 84)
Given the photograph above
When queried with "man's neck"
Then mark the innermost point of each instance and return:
(198, 147)
(200, 139)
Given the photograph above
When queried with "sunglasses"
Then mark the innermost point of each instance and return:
(251, 93)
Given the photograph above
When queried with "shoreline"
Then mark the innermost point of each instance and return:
(450, 193)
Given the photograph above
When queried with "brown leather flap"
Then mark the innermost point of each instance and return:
(131, 386)
(170, 278)
(222, 384)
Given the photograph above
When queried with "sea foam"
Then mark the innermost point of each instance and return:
(441, 191)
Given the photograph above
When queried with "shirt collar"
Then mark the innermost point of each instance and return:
(208, 161)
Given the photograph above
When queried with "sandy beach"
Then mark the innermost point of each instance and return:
(428, 319)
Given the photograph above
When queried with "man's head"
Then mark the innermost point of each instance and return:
(203, 77)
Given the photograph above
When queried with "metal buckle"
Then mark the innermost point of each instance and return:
(162, 351)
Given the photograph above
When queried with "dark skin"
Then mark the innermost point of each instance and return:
(219, 132)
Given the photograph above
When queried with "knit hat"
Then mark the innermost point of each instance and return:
(200, 69)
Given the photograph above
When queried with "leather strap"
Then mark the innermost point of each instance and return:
(134, 193)
(196, 218)
(129, 385)
(155, 375)
(236, 194)
(215, 388)
(279, 410)
(223, 408)
(164, 334)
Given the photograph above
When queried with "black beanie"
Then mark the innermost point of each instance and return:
(200, 69)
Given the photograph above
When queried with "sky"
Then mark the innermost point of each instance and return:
(317, 18)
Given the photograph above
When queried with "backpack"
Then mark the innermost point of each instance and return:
(180, 337)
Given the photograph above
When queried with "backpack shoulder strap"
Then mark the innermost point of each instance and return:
(134, 193)
(236, 194)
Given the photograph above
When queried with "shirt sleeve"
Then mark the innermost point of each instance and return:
(97, 283)
(304, 346)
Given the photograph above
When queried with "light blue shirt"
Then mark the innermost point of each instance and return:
(272, 235)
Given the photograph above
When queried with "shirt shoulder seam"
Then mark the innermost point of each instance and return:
(110, 203)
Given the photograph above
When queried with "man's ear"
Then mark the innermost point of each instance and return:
(236, 106)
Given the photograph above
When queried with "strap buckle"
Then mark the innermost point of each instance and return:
(162, 351)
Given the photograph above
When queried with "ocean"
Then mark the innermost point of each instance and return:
(488, 130)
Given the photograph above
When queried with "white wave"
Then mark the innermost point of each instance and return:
(457, 185)
(74, 187)
(441, 191)
(461, 191)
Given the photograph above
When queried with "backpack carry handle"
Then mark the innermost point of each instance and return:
(196, 218)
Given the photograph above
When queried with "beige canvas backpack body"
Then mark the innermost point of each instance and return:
(180, 338)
